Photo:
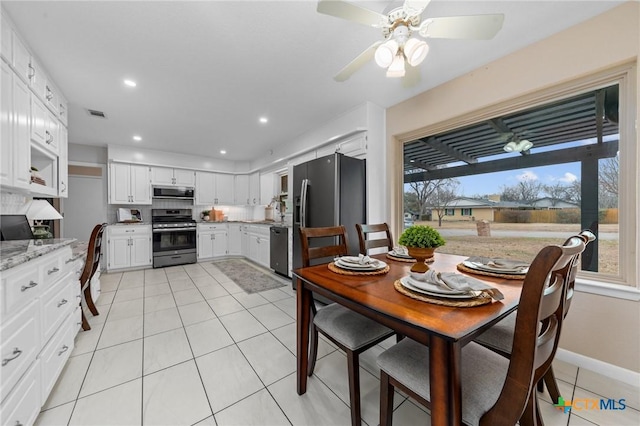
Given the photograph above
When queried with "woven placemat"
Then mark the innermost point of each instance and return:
(338, 270)
(401, 259)
(465, 303)
(464, 268)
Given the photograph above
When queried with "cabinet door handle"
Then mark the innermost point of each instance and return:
(65, 186)
(49, 137)
(52, 271)
(68, 261)
(32, 72)
(16, 353)
(63, 350)
(31, 284)
(62, 302)
(49, 94)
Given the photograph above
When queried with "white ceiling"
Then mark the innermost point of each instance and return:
(206, 70)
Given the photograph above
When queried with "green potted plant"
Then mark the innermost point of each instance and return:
(421, 241)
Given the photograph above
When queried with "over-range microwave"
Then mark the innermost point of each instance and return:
(175, 192)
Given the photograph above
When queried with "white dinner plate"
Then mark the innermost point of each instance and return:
(399, 255)
(432, 288)
(374, 266)
(488, 268)
(406, 282)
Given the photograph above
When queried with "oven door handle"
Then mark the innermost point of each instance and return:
(174, 229)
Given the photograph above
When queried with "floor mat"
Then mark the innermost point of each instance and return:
(250, 278)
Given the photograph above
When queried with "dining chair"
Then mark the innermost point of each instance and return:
(350, 331)
(91, 264)
(499, 338)
(495, 390)
(365, 244)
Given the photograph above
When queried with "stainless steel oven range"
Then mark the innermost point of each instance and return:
(174, 237)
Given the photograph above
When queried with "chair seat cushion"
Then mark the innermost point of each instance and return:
(500, 335)
(348, 327)
(482, 376)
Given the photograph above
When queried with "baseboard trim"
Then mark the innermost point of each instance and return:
(612, 371)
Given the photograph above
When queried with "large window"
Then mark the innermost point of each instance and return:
(538, 176)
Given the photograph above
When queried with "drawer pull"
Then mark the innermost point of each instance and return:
(18, 423)
(52, 271)
(62, 302)
(31, 284)
(16, 353)
(68, 261)
(63, 350)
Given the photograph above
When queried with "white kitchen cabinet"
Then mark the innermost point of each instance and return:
(129, 246)
(205, 189)
(37, 331)
(63, 110)
(254, 188)
(5, 38)
(63, 163)
(244, 240)
(6, 122)
(172, 177)
(242, 190)
(214, 188)
(20, 57)
(129, 184)
(257, 244)
(234, 239)
(267, 188)
(225, 193)
(212, 240)
(39, 121)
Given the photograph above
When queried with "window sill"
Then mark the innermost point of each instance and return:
(608, 290)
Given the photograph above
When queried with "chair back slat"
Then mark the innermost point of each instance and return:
(366, 244)
(338, 247)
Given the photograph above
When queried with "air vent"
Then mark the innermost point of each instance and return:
(94, 113)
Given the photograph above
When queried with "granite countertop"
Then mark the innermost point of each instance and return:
(252, 222)
(14, 253)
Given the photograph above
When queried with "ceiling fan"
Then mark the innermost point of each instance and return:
(398, 27)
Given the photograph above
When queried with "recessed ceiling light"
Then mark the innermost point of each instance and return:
(222, 151)
(263, 120)
(137, 138)
(130, 83)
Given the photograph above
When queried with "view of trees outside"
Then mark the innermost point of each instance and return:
(429, 200)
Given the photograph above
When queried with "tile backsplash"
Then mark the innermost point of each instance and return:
(12, 203)
(232, 212)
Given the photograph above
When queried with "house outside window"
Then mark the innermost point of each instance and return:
(466, 212)
(449, 212)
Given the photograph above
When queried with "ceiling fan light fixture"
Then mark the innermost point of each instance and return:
(415, 50)
(396, 69)
(385, 53)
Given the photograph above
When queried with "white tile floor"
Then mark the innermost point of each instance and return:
(185, 345)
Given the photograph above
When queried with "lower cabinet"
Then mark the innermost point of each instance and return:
(37, 331)
(212, 240)
(129, 246)
(257, 242)
(234, 239)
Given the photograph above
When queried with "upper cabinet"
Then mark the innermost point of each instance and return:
(254, 189)
(215, 188)
(242, 190)
(34, 135)
(172, 177)
(129, 184)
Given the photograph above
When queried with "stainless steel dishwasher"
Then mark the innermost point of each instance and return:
(279, 250)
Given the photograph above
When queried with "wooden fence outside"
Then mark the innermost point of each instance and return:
(607, 216)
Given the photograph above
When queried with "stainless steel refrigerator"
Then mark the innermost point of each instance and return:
(329, 191)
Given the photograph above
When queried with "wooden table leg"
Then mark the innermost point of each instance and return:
(444, 378)
(303, 299)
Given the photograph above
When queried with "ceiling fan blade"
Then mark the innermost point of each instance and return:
(480, 27)
(351, 12)
(412, 77)
(415, 7)
(357, 63)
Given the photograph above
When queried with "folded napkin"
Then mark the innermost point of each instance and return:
(506, 264)
(459, 283)
(360, 260)
(400, 251)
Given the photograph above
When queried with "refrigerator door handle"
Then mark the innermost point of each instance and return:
(303, 203)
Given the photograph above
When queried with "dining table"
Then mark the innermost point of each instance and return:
(445, 329)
